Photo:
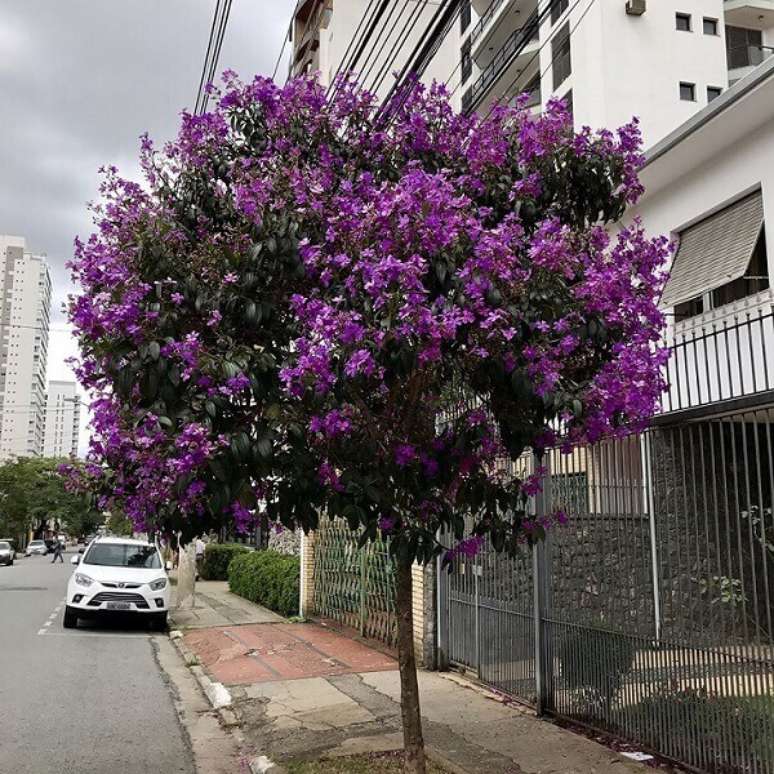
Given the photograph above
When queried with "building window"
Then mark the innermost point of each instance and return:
(687, 92)
(713, 92)
(466, 61)
(710, 26)
(465, 15)
(560, 56)
(744, 48)
(683, 22)
(755, 279)
(558, 7)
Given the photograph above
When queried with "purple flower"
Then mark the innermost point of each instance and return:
(405, 454)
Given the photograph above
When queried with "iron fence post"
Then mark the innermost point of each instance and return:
(442, 613)
(544, 665)
(647, 475)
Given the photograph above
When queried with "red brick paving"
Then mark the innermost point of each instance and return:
(256, 653)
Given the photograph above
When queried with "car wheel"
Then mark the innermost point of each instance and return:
(70, 618)
(159, 622)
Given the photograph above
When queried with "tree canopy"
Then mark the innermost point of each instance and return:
(317, 304)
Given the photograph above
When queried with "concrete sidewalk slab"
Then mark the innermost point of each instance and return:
(256, 653)
(215, 605)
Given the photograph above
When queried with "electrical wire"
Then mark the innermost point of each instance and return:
(540, 48)
(397, 46)
(200, 90)
(216, 55)
(378, 53)
(284, 43)
(333, 85)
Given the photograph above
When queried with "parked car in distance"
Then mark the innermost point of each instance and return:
(6, 553)
(118, 575)
(36, 547)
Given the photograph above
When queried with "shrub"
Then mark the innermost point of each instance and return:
(217, 557)
(268, 578)
(595, 663)
(706, 730)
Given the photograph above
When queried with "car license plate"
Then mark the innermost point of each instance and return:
(118, 606)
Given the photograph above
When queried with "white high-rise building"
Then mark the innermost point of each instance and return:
(63, 419)
(25, 303)
(660, 60)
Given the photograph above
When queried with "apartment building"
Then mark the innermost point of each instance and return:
(322, 30)
(25, 303)
(63, 419)
(661, 60)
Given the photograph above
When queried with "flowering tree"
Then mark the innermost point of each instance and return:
(315, 306)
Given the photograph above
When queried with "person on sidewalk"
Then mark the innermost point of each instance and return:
(58, 548)
(199, 550)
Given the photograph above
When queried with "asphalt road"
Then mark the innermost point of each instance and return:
(86, 701)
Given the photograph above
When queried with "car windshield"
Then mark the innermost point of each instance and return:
(4, 546)
(36, 543)
(123, 555)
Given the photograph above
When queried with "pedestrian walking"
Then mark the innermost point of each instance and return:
(199, 550)
(58, 548)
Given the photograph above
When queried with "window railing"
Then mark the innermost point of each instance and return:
(514, 45)
(719, 361)
(748, 56)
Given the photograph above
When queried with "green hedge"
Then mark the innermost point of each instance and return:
(268, 578)
(217, 557)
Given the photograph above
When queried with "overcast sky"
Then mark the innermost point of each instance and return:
(80, 80)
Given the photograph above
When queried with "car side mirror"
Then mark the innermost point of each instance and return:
(75, 560)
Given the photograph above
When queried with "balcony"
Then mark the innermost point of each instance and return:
(722, 355)
(753, 14)
(742, 60)
(504, 63)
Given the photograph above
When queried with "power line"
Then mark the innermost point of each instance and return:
(200, 90)
(541, 47)
(397, 46)
(216, 56)
(333, 85)
(377, 54)
(284, 43)
(214, 44)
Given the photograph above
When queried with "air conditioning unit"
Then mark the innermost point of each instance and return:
(636, 7)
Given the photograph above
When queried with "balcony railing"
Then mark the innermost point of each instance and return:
(513, 46)
(748, 56)
(720, 361)
(483, 22)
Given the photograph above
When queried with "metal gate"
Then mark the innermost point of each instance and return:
(649, 615)
(354, 586)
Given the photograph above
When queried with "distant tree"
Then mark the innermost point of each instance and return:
(32, 491)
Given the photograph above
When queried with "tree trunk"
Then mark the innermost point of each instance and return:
(413, 744)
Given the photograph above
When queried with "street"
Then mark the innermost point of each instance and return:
(86, 700)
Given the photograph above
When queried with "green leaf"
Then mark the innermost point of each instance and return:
(265, 447)
(154, 350)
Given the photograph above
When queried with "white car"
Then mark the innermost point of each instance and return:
(36, 547)
(118, 575)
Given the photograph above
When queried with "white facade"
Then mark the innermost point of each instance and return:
(719, 157)
(662, 65)
(25, 302)
(63, 419)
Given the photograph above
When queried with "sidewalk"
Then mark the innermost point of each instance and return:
(217, 606)
(300, 691)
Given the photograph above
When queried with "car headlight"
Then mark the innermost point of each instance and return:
(159, 584)
(83, 580)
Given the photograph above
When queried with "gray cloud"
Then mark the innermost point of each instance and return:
(80, 80)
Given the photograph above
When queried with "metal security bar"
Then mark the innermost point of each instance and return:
(718, 361)
(354, 586)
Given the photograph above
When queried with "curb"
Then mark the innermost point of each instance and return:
(217, 693)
